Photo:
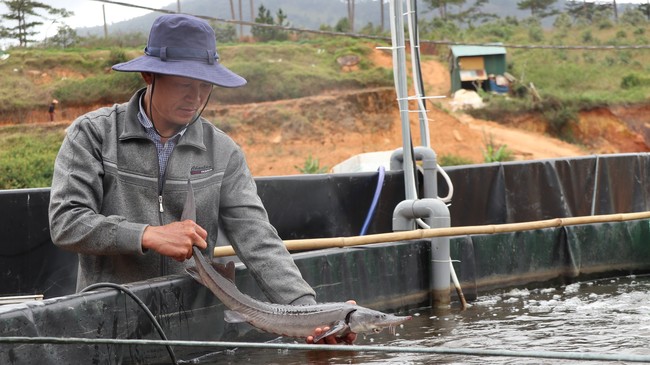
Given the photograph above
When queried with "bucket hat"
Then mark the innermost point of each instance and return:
(186, 46)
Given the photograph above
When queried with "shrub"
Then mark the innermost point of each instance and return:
(27, 160)
(631, 81)
(560, 116)
(453, 160)
(311, 166)
(104, 88)
(492, 153)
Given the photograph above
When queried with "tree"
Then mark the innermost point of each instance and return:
(21, 11)
(589, 12)
(538, 8)
(645, 9)
(441, 5)
(472, 14)
(224, 32)
(64, 38)
(265, 34)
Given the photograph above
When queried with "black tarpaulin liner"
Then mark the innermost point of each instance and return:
(391, 276)
(336, 205)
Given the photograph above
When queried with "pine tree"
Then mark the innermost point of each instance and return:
(538, 8)
(20, 11)
(265, 34)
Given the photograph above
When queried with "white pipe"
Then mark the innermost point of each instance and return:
(399, 72)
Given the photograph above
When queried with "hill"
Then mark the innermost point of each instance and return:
(279, 136)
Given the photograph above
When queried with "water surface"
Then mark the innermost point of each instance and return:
(607, 316)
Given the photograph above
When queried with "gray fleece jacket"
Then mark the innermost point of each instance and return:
(105, 192)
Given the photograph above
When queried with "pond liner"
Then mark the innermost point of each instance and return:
(389, 276)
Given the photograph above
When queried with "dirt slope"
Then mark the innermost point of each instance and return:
(272, 150)
(278, 137)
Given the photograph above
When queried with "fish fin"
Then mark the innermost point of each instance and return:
(233, 317)
(227, 270)
(338, 327)
(194, 274)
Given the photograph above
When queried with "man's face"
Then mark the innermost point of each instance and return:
(176, 100)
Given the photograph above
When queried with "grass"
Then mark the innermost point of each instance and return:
(27, 159)
(453, 160)
(494, 153)
(567, 81)
(311, 166)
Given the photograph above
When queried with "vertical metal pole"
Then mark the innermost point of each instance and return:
(105, 26)
(414, 40)
(399, 72)
(241, 18)
(433, 211)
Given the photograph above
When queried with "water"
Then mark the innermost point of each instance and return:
(608, 316)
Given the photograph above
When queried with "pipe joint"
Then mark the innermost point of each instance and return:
(432, 211)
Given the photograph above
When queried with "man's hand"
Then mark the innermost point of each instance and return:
(175, 239)
(333, 340)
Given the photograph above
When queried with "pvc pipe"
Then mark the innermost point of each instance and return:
(436, 214)
(399, 74)
(429, 166)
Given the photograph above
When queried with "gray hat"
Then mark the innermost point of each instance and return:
(183, 45)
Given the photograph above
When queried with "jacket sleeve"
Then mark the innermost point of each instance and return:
(255, 240)
(76, 199)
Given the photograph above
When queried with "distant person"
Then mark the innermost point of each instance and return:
(120, 178)
(51, 110)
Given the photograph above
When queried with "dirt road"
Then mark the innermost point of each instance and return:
(270, 152)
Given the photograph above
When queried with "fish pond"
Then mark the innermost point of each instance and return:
(604, 316)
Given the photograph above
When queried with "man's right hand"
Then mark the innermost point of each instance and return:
(175, 239)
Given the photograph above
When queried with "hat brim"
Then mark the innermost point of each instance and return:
(216, 73)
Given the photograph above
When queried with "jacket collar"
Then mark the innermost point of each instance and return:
(193, 136)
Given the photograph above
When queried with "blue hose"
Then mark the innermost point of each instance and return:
(375, 199)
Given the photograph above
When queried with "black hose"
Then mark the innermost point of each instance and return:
(144, 308)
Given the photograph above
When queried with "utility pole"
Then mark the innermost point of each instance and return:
(252, 14)
(241, 18)
(351, 14)
(105, 26)
(178, 6)
(381, 11)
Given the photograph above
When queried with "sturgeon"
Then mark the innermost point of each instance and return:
(283, 319)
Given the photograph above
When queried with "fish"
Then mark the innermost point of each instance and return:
(286, 319)
(299, 321)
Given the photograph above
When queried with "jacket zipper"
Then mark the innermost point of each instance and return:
(161, 210)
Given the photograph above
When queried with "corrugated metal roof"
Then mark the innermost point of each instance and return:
(464, 51)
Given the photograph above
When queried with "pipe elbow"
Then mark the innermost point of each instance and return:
(408, 210)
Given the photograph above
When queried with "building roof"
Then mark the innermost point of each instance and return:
(464, 51)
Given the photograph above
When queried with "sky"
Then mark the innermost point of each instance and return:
(88, 13)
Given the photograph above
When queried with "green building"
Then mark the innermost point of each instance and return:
(470, 66)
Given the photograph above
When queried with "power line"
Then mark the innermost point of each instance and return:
(388, 39)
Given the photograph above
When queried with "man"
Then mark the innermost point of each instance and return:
(120, 178)
(51, 109)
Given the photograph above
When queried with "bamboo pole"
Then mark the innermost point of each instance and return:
(320, 243)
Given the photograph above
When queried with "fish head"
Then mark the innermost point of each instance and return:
(364, 320)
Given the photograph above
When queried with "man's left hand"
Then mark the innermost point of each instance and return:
(333, 339)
